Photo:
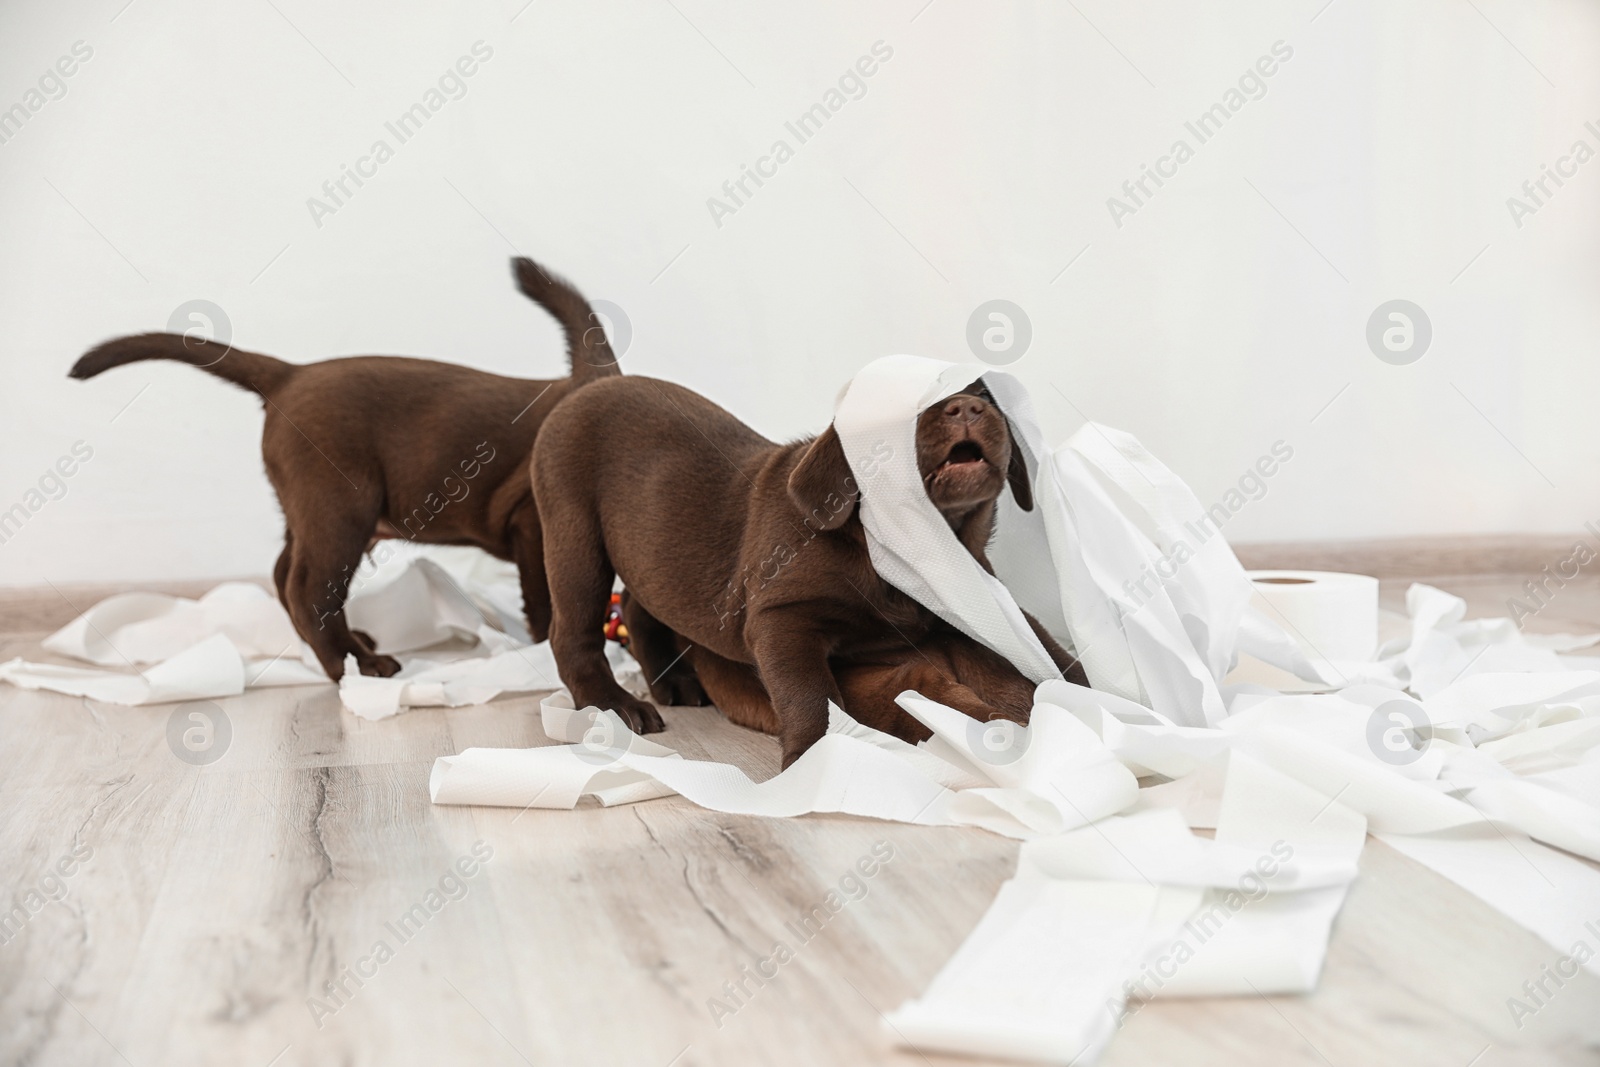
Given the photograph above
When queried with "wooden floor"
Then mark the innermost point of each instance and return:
(208, 907)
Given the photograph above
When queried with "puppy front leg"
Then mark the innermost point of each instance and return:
(793, 664)
(580, 587)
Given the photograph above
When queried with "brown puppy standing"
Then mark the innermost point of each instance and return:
(752, 553)
(368, 447)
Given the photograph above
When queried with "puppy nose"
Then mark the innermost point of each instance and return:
(964, 408)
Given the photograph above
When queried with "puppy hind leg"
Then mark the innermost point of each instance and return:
(527, 548)
(281, 578)
(317, 585)
(736, 691)
(869, 691)
(992, 679)
(958, 673)
(663, 656)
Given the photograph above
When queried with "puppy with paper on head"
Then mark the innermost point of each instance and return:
(773, 579)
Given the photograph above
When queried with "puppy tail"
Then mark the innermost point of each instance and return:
(588, 351)
(262, 374)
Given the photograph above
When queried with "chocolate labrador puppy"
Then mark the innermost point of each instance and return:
(751, 554)
(369, 447)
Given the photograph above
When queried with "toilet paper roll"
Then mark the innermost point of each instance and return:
(1333, 616)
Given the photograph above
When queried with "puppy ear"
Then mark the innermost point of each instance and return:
(1017, 473)
(821, 484)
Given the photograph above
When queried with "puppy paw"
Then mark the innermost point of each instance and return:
(365, 640)
(642, 718)
(679, 689)
(377, 666)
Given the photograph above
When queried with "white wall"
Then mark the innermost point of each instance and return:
(1219, 318)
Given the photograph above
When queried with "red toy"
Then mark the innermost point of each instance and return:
(615, 630)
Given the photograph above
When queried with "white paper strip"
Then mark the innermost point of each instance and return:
(1141, 907)
(1065, 778)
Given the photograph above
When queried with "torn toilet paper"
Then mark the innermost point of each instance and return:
(1465, 744)
(456, 611)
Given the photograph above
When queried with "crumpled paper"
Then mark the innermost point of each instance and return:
(1466, 744)
(235, 637)
(454, 615)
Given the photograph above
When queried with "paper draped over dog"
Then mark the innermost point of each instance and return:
(1104, 509)
(911, 545)
(1491, 777)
